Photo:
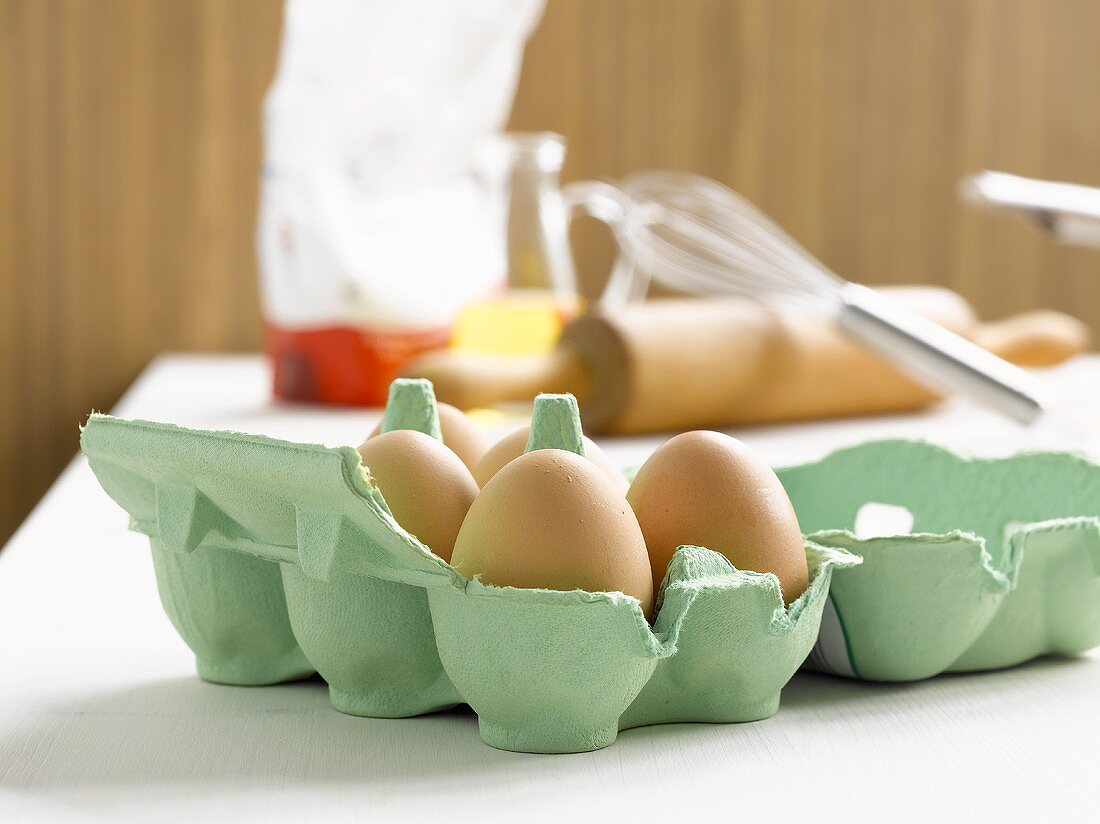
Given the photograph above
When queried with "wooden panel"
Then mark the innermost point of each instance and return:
(130, 137)
(130, 143)
(849, 121)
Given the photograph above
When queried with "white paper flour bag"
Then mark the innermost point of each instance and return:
(375, 226)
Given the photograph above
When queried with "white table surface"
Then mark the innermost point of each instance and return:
(102, 716)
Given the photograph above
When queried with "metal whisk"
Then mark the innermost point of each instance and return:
(697, 236)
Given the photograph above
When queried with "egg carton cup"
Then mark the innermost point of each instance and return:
(277, 559)
(1001, 564)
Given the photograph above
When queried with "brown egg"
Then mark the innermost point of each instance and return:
(710, 490)
(427, 488)
(551, 519)
(511, 446)
(459, 433)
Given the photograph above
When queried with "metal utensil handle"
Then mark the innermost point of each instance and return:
(938, 358)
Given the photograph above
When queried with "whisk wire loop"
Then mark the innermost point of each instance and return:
(698, 236)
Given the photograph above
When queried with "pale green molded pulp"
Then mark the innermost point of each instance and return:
(1003, 564)
(276, 558)
(271, 554)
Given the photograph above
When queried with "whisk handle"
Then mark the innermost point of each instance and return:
(936, 357)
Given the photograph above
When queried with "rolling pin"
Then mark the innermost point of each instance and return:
(689, 363)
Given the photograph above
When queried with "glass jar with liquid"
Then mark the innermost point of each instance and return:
(541, 292)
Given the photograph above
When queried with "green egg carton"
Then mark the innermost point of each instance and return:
(275, 559)
(1001, 565)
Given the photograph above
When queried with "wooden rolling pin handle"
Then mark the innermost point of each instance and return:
(472, 380)
(1041, 338)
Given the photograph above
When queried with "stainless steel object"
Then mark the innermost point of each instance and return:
(697, 236)
(1069, 211)
(938, 358)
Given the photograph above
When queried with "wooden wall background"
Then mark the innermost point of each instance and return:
(130, 145)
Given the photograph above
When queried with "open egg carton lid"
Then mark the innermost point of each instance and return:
(1000, 564)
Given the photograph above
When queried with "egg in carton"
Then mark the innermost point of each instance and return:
(274, 559)
(1000, 565)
